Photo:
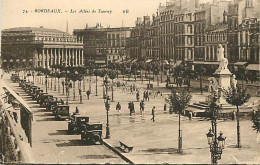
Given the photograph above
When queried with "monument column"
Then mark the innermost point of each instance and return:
(43, 58)
(82, 57)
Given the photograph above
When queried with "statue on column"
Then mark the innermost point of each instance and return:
(233, 81)
(220, 57)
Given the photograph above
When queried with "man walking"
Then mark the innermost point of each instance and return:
(88, 94)
(142, 107)
(118, 108)
(153, 115)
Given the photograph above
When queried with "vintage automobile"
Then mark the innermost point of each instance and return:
(22, 82)
(39, 96)
(52, 103)
(61, 112)
(15, 77)
(77, 123)
(45, 98)
(36, 94)
(92, 133)
(33, 89)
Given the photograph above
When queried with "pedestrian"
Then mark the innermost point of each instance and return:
(61, 101)
(137, 96)
(147, 95)
(130, 107)
(76, 112)
(118, 108)
(153, 115)
(88, 94)
(164, 108)
(133, 107)
(142, 107)
(144, 96)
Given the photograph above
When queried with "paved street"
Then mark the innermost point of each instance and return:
(52, 144)
(153, 142)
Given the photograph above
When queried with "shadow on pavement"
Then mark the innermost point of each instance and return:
(47, 119)
(161, 150)
(59, 132)
(45, 114)
(72, 143)
(96, 156)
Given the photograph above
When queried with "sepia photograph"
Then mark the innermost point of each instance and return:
(130, 82)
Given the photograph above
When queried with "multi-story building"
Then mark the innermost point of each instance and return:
(103, 45)
(40, 47)
(248, 31)
(135, 43)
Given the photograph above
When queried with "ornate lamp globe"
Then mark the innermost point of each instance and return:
(210, 136)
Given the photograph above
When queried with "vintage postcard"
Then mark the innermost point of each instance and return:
(129, 82)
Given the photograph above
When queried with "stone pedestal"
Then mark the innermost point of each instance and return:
(223, 78)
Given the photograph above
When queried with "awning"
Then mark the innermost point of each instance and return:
(240, 63)
(100, 62)
(165, 62)
(4, 60)
(11, 60)
(178, 62)
(147, 61)
(134, 60)
(17, 60)
(206, 62)
(253, 67)
(31, 60)
(24, 60)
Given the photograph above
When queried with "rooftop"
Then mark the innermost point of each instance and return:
(24, 29)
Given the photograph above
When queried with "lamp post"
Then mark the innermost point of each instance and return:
(46, 81)
(67, 86)
(33, 76)
(216, 144)
(107, 106)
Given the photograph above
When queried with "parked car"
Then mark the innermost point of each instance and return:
(92, 133)
(77, 123)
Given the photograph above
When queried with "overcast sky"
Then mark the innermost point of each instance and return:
(12, 13)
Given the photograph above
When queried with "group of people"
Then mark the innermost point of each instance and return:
(146, 96)
(131, 108)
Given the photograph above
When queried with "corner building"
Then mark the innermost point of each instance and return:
(40, 47)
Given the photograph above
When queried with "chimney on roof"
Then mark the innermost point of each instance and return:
(41, 27)
(86, 25)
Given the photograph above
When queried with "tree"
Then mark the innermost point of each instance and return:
(112, 76)
(179, 101)
(256, 119)
(96, 73)
(102, 74)
(201, 70)
(237, 97)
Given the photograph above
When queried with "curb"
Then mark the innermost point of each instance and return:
(117, 152)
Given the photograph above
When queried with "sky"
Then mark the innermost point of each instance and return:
(21, 13)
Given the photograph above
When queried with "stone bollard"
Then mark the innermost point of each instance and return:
(233, 115)
(190, 115)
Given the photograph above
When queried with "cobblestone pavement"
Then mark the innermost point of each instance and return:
(156, 142)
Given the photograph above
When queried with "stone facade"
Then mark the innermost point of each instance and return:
(40, 47)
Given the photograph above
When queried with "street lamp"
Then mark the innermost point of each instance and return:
(216, 145)
(46, 81)
(67, 86)
(107, 106)
(33, 76)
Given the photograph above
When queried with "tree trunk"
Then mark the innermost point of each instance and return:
(74, 90)
(96, 85)
(200, 84)
(112, 90)
(180, 137)
(84, 89)
(238, 130)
